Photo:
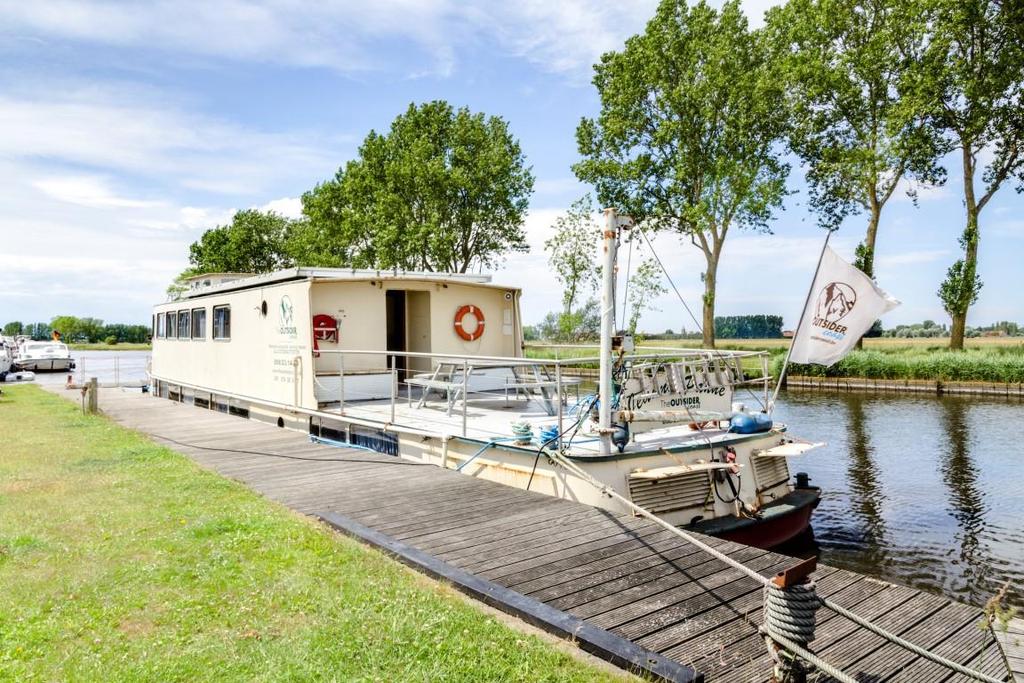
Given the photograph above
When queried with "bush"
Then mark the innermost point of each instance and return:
(1000, 364)
(110, 341)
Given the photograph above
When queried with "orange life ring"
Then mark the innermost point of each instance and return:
(461, 330)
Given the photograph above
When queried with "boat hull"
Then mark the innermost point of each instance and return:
(781, 520)
(45, 364)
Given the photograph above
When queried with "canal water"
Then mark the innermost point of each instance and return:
(921, 491)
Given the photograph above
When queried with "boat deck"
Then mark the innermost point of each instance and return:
(621, 586)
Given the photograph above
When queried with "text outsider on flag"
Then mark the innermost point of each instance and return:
(843, 305)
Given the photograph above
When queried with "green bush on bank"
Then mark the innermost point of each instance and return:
(997, 364)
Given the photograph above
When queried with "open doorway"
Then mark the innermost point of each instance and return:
(396, 329)
(418, 329)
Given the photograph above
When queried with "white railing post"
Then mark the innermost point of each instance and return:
(465, 392)
(341, 383)
(558, 397)
(394, 385)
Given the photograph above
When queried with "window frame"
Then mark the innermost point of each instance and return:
(214, 327)
(161, 326)
(172, 324)
(192, 323)
(187, 316)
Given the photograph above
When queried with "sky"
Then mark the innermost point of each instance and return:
(126, 129)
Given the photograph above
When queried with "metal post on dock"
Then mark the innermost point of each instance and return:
(394, 386)
(117, 371)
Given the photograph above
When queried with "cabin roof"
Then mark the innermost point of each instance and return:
(338, 275)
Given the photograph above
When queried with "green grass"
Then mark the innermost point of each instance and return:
(110, 347)
(121, 560)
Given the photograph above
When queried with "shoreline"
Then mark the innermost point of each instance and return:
(906, 386)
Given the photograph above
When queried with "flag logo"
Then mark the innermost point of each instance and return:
(835, 301)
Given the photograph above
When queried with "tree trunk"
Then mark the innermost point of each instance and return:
(868, 262)
(970, 244)
(710, 282)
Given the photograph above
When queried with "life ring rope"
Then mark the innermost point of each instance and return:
(460, 329)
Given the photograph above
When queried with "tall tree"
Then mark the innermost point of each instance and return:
(845, 64)
(643, 287)
(686, 138)
(970, 80)
(442, 190)
(253, 242)
(573, 252)
(13, 329)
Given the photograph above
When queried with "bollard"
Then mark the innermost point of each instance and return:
(93, 396)
(789, 606)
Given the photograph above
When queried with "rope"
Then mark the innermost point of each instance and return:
(781, 639)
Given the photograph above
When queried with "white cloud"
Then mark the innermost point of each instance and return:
(89, 191)
(563, 37)
(289, 207)
(911, 257)
(152, 136)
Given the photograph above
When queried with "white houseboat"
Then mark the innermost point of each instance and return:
(431, 367)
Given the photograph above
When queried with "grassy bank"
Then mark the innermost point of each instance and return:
(121, 560)
(110, 347)
(986, 359)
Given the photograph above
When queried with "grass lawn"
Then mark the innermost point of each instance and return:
(121, 560)
(110, 347)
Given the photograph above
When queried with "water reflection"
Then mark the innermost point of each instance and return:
(922, 491)
(966, 499)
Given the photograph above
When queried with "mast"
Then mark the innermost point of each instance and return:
(609, 245)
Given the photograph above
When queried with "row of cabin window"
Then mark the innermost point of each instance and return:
(191, 324)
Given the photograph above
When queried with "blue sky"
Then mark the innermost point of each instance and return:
(125, 130)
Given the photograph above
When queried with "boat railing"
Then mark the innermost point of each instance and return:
(372, 375)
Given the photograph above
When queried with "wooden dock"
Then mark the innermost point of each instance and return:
(621, 586)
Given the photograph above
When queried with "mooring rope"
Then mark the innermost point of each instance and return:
(787, 613)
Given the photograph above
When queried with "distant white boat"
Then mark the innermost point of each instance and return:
(8, 373)
(44, 356)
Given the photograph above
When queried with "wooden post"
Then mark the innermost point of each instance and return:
(93, 397)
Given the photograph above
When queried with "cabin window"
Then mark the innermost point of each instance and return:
(161, 326)
(199, 323)
(172, 325)
(184, 324)
(222, 322)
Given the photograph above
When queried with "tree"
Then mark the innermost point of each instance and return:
(970, 82)
(573, 252)
(252, 243)
(642, 288)
(13, 329)
(38, 331)
(686, 137)
(845, 64)
(67, 325)
(443, 190)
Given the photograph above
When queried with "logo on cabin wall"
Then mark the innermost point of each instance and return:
(835, 301)
(286, 317)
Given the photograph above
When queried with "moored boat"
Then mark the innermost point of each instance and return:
(44, 356)
(432, 367)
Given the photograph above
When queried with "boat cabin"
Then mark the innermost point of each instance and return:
(275, 338)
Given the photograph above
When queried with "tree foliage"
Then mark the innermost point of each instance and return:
(572, 252)
(845, 65)
(253, 242)
(686, 137)
(13, 328)
(642, 288)
(749, 327)
(970, 83)
(442, 190)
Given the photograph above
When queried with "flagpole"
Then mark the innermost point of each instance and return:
(796, 334)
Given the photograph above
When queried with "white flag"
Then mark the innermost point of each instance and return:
(844, 304)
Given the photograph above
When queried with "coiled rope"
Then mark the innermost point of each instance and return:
(779, 636)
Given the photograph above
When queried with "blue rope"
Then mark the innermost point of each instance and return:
(483, 448)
